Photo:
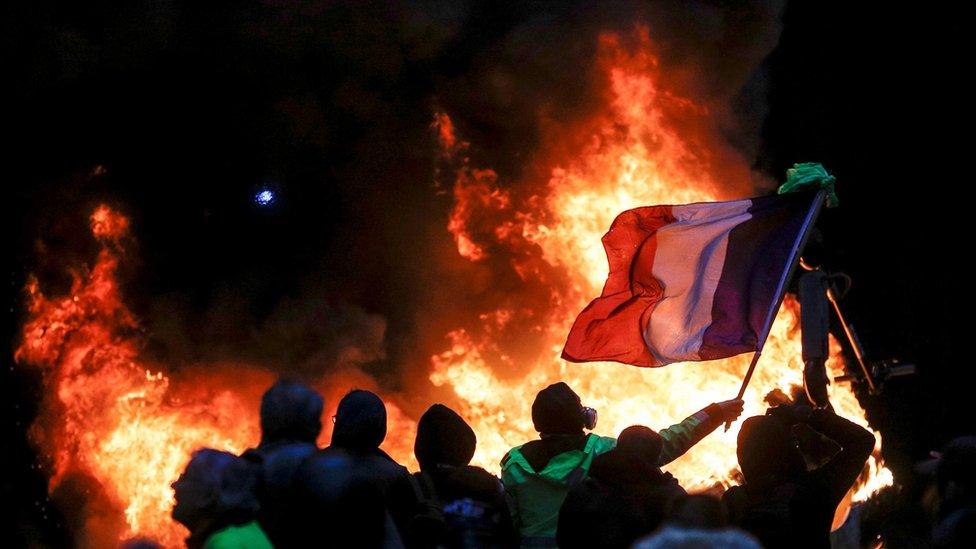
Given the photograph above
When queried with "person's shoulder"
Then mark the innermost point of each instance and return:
(470, 471)
(515, 453)
(325, 459)
(288, 452)
(732, 494)
(254, 455)
(381, 461)
(600, 444)
(233, 537)
(591, 494)
(400, 470)
(330, 451)
(473, 481)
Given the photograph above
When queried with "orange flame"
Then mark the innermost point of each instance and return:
(121, 421)
(647, 146)
(130, 425)
(108, 224)
(118, 421)
(446, 135)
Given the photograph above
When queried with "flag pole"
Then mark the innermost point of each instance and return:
(801, 240)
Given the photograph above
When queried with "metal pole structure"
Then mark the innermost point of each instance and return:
(855, 344)
(818, 202)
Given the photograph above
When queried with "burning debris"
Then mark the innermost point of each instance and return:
(112, 415)
(646, 146)
(115, 417)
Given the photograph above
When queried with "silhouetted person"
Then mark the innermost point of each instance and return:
(538, 475)
(215, 500)
(698, 511)
(625, 497)
(673, 537)
(291, 420)
(353, 467)
(335, 507)
(956, 482)
(780, 502)
(450, 503)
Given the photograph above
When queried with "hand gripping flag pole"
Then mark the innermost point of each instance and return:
(798, 245)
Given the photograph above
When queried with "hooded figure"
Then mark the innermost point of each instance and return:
(698, 511)
(625, 497)
(444, 440)
(780, 502)
(360, 422)
(539, 474)
(354, 461)
(339, 509)
(291, 420)
(450, 503)
(290, 412)
(215, 500)
(673, 537)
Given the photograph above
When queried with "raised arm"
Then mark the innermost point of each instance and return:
(856, 443)
(680, 437)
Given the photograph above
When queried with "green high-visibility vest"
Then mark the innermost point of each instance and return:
(534, 497)
(245, 536)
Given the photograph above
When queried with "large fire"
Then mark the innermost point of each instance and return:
(130, 425)
(647, 146)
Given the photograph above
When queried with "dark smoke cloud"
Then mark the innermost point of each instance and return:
(540, 67)
(191, 108)
(540, 76)
(175, 113)
(302, 337)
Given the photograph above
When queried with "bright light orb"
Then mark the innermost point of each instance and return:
(264, 197)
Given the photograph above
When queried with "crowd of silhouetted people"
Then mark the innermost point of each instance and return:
(568, 488)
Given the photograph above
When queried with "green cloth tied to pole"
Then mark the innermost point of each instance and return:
(810, 176)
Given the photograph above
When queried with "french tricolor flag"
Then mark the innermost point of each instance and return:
(692, 282)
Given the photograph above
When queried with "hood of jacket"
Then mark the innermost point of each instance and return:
(360, 421)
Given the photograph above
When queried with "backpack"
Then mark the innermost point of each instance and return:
(426, 525)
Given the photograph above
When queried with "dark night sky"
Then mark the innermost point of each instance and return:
(192, 106)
